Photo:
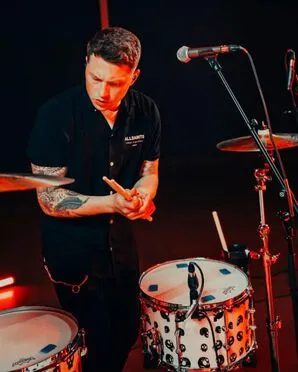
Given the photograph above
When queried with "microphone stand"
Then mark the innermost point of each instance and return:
(273, 322)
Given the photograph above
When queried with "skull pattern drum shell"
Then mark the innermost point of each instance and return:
(219, 334)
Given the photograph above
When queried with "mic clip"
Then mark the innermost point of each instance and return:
(193, 285)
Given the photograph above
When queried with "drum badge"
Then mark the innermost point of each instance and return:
(22, 361)
(228, 290)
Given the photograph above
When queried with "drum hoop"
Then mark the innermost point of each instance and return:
(48, 309)
(38, 308)
(172, 307)
(59, 357)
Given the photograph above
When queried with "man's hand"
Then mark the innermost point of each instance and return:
(146, 209)
(140, 206)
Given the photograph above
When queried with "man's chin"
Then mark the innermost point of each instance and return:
(101, 105)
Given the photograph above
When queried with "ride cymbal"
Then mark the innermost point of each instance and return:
(23, 181)
(248, 144)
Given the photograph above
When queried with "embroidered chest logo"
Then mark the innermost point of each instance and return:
(134, 140)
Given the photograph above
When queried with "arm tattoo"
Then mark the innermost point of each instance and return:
(149, 167)
(49, 171)
(72, 202)
(58, 202)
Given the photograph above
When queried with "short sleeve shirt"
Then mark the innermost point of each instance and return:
(70, 132)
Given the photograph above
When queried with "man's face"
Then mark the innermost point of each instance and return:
(107, 83)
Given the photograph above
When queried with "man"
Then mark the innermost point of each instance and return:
(101, 128)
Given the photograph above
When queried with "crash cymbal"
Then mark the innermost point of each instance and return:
(247, 143)
(23, 181)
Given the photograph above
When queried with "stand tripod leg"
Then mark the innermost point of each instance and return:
(273, 323)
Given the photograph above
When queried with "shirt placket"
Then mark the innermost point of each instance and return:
(113, 171)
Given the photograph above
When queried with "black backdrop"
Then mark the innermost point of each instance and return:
(43, 51)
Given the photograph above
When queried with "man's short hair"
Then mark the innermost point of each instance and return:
(116, 45)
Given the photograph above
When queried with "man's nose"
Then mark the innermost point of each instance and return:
(103, 90)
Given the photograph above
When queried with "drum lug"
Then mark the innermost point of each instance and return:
(146, 319)
(180, 317)
(83, 347)
(146, 333)
(218, 313)
(156, 342)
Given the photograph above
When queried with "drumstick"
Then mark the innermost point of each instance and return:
(117, 188)
(220, 232)
(120, 190)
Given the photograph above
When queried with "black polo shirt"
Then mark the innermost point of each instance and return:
(70, 132)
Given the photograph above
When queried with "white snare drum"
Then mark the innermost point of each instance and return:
(218, 335)
(40, 339)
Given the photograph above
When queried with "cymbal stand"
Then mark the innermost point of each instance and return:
(293, 204)
(273, 322)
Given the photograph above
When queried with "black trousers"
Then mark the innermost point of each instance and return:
(108, 311)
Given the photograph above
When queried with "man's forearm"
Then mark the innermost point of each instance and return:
(60, 202)
(148, 184)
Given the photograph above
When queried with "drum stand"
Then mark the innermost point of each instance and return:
(273, 322)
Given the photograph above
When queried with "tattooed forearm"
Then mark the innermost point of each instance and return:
(50, 171)
(149, 167)
(60, 202)
(148, 182)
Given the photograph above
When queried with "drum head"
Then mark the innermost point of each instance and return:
(167, 283)
(29, 335)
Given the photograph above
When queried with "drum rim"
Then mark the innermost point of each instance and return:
(174, 306)
(38, 308)
(69, 350)
(49, 310)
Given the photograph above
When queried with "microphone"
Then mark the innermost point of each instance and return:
(185, 54)
(291, 68)
(192, 282)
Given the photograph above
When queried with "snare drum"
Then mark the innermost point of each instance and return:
(218, 335)
(40, 339)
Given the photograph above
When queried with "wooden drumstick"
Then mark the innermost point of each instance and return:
(117, 188)
(220, 232)
(120, 190)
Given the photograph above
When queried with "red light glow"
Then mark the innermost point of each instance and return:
(6, 295)
(6, 281)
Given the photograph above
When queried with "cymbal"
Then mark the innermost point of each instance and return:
(23, 181)
(248, 144)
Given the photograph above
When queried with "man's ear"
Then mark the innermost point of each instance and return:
(135, 75)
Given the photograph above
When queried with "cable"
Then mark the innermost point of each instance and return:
(203, 312)
(203, 281)
(205, 315)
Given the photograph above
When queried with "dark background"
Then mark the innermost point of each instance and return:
(44, 48)
(43, 51)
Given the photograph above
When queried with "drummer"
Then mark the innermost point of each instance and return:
(99, 128)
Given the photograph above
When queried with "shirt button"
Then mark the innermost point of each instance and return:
(111, 221)
(111, 163)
